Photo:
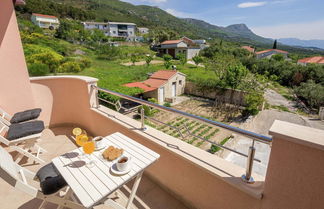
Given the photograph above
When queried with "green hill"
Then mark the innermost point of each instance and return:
(152, 17)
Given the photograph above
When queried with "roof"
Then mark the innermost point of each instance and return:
(155, 81)
(141, 85)
(317, 59)
(250, 49)
(269, 50)
(96, 23)
(46, 16)
(171, 42)
(122, 23)
(164, 74)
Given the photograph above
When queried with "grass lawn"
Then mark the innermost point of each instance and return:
(112, 75)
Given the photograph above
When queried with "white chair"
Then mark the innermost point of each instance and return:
(20, 178)
(23, 116)
(25, 146)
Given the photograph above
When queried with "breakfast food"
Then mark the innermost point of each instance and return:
(112, 153)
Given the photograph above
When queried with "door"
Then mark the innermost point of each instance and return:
(161, 95)
(174, 89)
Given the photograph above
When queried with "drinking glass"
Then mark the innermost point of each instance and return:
(88, 148)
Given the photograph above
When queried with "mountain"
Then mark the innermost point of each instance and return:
(302, 43)
(233, 32)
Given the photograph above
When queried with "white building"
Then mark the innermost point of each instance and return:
(185, 45)
(45, 21)
(143, 30)
(114, 29)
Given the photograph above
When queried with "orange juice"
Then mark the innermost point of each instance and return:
(81, 139)
(89, 147)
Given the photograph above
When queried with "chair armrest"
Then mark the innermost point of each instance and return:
(27, 173)
(25, 139)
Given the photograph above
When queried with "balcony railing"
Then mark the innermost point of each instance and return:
(247, 177)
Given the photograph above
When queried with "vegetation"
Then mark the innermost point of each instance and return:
(197, 59)
(215, 148)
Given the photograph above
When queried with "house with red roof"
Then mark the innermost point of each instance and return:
(311, 60)
(163, 85)
(184, 45)
(270, 52)
(45, 21)
(249, 48)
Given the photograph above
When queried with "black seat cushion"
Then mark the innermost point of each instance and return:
(25, 115)
(50, 179)
(19, 130)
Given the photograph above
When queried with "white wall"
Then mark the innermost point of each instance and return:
(192, 52)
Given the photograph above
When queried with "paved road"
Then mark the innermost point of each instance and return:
(261, 124)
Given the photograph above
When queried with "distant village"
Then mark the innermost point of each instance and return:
(130, 32)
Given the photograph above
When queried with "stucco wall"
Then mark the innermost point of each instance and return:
(192, 52)
(15, 90)
(227, 95)
(295, 175)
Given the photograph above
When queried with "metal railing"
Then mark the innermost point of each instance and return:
(247, 177)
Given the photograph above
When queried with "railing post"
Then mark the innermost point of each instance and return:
(247, 177)
(143, 119)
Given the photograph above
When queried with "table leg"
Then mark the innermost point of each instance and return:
(134, 189)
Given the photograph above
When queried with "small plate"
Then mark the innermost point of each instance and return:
(115, 171)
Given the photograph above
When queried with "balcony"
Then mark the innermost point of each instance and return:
(185, 176)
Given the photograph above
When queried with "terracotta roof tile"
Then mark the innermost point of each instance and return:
(163, 74)
(46, 16)
(317, 59)
(155, 83)
(250, 49)
(269, 50)
(141, 85)
(171, 42)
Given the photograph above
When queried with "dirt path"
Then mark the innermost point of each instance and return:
(153, 62)
(275, 99)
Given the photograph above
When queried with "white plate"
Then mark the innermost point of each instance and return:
(115, 171)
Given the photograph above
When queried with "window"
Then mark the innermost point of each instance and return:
(114, 32)
(180, 82)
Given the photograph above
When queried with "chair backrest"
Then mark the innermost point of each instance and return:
(13, 174)
(3, 130)
(5, 117)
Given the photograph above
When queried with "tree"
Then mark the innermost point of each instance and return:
(148, 60)
(133, 59)
(182, 58)
(275, 44)
(167, 61)
(197, 59)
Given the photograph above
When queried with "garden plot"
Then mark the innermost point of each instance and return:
(190, 131)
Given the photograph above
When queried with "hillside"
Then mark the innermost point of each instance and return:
(152, 17)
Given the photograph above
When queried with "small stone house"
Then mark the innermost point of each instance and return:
(163, 85)
(185, 45)
(45, 21)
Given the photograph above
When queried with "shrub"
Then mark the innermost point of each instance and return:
(85, 62)
(148, 60)
(253, 102)
(38, 69)
(182, 58)
(167, 104)
(69, 67)
(167, 61)
(197, 59)
(51, 59)
(133, 59)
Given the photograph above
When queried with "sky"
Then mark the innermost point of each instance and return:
(303, 19)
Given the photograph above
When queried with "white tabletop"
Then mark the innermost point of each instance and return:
(93, 184)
